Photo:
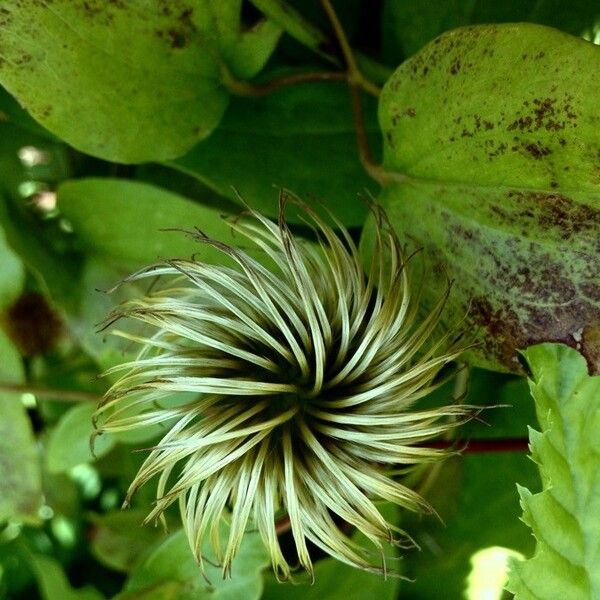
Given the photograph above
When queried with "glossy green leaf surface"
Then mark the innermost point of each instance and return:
(284, 140)
(564, 515)
(126, 81)
(502, 192)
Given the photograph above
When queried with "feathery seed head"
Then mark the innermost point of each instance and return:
(303, 380)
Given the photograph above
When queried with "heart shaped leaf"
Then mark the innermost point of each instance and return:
(496, 133)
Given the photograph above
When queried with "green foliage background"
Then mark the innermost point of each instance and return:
(121, 119)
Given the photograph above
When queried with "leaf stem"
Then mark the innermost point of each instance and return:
(50, 393)
(374, 169)
(358, 83)
(482, 445)
(245, 88)
(355, 76)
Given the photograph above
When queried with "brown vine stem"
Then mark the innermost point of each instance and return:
(50, 393)
(374, 169)
(245, 88)
(358, 83)
(355, 76)
(483, 445)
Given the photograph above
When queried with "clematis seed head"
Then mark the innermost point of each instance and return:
(299, 385)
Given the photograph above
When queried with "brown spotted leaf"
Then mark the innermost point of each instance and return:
(128, 80)
(498, 130)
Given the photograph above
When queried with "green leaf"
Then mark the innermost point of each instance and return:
(118, 538)
(172, 564)
(69, 443)
(167, 590)
(294, 24)
(478, 507)
(122, 222)
(244, 51)
(514, 114)
(99, 275)
(162, 176)
(20, 473)
(56, 273)
(501, 186)
(61, 494)
(564, 516)
(16, 575)
(38, 242)
(20, 478)
(126, 81)
(473, 495)
(29, 156)
(301, 138)
(12, 274)
(334, 581)
(53, 582)
(12, 112)
(408, 26)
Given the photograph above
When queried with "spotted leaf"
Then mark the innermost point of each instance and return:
(495, 133)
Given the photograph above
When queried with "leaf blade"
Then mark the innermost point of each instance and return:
(69, 443)
(502, 185)
(284, 140)
(20, 473)
(514, 114)
(152, 86)
(173, 562)
(563, 516)
(124, 222)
